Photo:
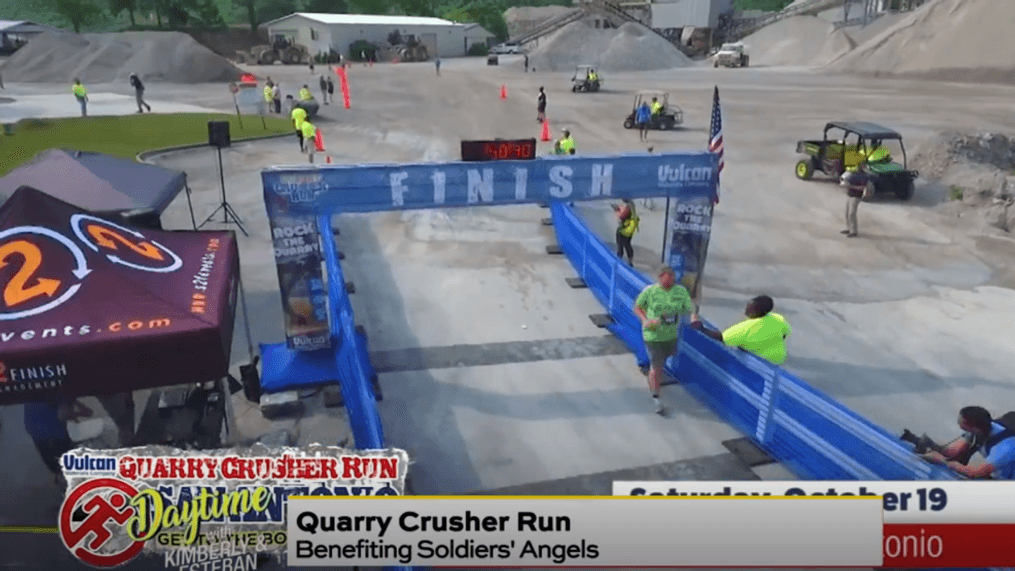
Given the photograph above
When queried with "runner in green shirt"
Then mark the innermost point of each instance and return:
(659, 307)
(763, 333)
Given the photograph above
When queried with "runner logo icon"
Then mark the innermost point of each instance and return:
(93, 522)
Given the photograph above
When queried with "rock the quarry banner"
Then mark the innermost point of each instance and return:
(196, 507)
(688, 232)
(301, 281)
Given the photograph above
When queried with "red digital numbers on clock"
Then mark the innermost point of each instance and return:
(502, 150)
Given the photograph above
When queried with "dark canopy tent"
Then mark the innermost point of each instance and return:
(90, 307)
(97, 182)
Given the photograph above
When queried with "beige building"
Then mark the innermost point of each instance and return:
(323, 33)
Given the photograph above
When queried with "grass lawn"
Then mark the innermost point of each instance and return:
(124, 136)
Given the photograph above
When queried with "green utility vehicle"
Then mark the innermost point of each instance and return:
(867, 147)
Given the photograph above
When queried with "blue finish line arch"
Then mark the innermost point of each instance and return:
(322, 345)
(311, 191)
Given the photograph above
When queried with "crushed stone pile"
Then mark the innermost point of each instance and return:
(798, 41)
(980, 165)
(863, 34)
(522, 18)
(172, 57)
(944, 40)
(631, 47)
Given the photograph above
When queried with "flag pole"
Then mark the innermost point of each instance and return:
(666, 227)
(715, 146)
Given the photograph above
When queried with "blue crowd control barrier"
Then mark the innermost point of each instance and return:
(615, 284)
(353, 365)
(808, 431)
(355, 369)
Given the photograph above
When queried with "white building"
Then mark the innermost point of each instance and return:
(688, 13)
(322, 33)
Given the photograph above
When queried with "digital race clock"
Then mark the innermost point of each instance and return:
(499, 150)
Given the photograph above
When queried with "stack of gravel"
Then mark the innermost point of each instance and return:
(632, 47)
(944, 40)
(172, 57)
(798, 41)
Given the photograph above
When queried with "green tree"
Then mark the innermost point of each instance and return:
(269, 10)
(117, 7)
(373, 6)
(249, 8)
(326, 6)
(78, 12)
(488, 14)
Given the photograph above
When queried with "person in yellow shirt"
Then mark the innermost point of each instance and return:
(763, 333)
(565, 145)
(82, 96)
(657, 107)
(268, 88)
(627, 225)
(309, 133)
(305, 94)
(878, 153)
(299, 116)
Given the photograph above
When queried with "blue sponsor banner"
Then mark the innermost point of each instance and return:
(308, 190)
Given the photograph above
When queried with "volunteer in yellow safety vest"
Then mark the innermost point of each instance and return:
(565, 146)
(657, 107)
(82, 96)
(879, 153)
(267, 93)
(876, 153)
(592, 75)
(305, 94)
(627, 225)
(309, 133)
(299, 116)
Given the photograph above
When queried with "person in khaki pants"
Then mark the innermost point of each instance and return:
(856, 190)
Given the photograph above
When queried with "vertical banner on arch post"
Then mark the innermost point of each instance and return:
(689, 228)
(690, 225)
(298, 259)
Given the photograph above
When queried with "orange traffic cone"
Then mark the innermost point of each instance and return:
(546, 131)
(503, 92)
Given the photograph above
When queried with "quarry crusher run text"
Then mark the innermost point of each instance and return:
(253, 469)
(411, 521)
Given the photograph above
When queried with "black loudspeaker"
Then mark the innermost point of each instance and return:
(147, 219)
(218, 134)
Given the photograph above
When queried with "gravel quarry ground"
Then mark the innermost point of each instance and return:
(905, 324)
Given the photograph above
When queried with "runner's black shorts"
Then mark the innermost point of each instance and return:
(659, 351)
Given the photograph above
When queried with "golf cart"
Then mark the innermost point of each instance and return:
(580, 81)
(669, 117)
(847, 148)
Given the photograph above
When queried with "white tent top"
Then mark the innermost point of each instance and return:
(368, 19)
(24, 27)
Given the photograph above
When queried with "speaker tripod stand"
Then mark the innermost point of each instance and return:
(229, 215)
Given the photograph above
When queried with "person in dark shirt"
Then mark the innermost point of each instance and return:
(135, 82)
(541, 106)
(856, 191)
(46, 423)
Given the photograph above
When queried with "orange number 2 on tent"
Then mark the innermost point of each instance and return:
(17, 290)
(108, 238)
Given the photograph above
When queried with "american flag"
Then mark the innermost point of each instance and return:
(715, 136)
